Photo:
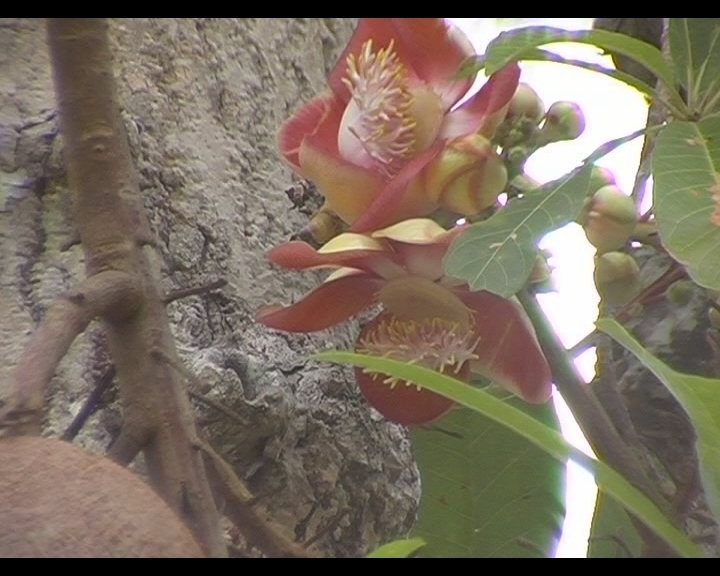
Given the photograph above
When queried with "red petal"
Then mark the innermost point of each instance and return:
(327, 305)
(393, 203)
(298, 255)
(423, 45)
(495, 93)
(404, 404)
(508, 351)
(320, 116)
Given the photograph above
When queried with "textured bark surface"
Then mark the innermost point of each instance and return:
(662, 432)
(201, 101)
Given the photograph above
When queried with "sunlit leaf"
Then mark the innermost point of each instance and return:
(499, 253)
(695, 49)
(398, 548)
(472, 66)
(515, 44)
(699, 397)
(612, 534)
(686, 172)
(487, 492)
(538, 433)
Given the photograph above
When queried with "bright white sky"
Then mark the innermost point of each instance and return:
(611, 110)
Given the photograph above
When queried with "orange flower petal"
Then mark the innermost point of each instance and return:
(347, 188)
(508, 351)
(328, 304)
(472, 114)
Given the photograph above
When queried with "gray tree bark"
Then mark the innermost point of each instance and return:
(201, 100)
(647, 415)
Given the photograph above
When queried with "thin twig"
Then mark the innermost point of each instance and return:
(599, 430)
(226, 484)
(254, 528)
(647, 295)
(90, 405)
(103, 294)
(224, 410)
(329, 527)
(192, 291)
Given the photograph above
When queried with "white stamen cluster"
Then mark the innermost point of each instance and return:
(434, 343)
(378, 84)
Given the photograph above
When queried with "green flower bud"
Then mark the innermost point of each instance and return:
(617, 278)
(608, 219)
(563, 121)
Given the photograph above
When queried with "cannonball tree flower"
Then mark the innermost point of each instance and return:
(427, 317)
(373, 142)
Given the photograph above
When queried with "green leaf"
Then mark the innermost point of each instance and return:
(487, 492)
(686, 173)
(699, 397)
(695, 50)
(612, 534)
(398, 548)
(499, 253)
(539, 434)
(515, 44)
(475, 64)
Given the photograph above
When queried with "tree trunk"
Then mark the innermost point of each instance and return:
(201, 100)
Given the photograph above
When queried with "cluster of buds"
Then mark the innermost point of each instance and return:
(609, 219)
(525, 125)
(388, 145)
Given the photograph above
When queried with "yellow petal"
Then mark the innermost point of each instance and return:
(413, 231)
(348, 189)
(351, 241)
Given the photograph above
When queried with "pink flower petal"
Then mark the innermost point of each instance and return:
(429, 48)
(319, 117)
(508, 351)
(382, 31)
(325, 306)
(396, 201)
(470, 116)
(298, 255)
(422, 260)
(438, 50)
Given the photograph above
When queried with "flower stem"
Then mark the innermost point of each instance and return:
(594, 422)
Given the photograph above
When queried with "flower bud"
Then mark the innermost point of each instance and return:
(599, 178)
(617, 278)
(680, 292)
(467, 176)
(608, 219)
(563, 121)
(540, 279)
(526, 102)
